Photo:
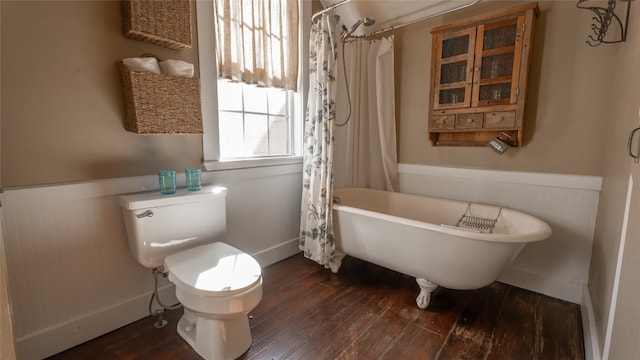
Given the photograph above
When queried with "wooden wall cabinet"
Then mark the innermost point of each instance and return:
(479, 70)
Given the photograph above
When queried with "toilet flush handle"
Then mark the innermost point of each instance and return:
(147, 213)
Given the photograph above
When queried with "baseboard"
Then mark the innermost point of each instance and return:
(276, 253)
(77, 331)
(558, 288)
(589, 329)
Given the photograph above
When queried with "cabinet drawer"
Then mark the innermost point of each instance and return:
(469, 121)
(442, 122)
(500, 119)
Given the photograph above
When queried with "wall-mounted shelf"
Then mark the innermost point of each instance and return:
(161, 22)
(160, 104)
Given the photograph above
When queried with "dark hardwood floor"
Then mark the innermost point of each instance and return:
(368, 312)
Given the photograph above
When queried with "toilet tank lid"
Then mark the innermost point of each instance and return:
(153, 199)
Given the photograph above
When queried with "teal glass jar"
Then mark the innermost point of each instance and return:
(167, 181)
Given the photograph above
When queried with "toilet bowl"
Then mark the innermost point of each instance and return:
(217, 284)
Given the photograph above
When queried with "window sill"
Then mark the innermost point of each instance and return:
(217, 165)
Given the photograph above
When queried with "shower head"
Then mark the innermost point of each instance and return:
(366, 21)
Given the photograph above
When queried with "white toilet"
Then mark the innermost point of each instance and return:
(216, 283)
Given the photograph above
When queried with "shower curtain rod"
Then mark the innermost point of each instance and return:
(421, 19)
(407, 23)
(313, 18)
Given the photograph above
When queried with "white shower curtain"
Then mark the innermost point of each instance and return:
(316, 218)
(365, 148)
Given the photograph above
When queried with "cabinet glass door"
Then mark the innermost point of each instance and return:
(454, 56)
(497, 65)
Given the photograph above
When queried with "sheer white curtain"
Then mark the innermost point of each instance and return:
(365, 148)
(257, 41)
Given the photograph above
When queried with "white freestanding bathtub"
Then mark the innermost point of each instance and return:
(418, 236)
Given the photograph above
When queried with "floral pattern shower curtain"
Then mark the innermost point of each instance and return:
(316, 223)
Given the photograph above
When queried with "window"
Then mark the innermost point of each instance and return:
(254, 121)
(246, 125)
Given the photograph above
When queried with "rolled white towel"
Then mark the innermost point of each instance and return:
(149, 64)
(176, 68)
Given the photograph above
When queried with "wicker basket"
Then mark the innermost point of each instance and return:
(160, 104)
(165, 23)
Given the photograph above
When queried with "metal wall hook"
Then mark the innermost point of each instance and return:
(636, 158)
(602, 20)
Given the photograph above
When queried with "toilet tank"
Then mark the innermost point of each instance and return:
(160, 225)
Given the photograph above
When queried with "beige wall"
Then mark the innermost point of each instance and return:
(624, 110)
(567, 103)
(62, 108)
(316, 6)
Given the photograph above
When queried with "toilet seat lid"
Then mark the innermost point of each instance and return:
(213, 268)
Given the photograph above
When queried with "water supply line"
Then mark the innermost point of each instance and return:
(160, 321)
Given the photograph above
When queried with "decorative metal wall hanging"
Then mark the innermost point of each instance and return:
(603, 18)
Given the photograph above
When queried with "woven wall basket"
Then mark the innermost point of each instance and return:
(161, 22)
(160, 104)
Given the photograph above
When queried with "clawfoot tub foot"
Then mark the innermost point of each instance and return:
(337, 262)
(426, 288)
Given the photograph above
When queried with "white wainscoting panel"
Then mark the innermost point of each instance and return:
(66, 260)
(558, 266)
(71, 277)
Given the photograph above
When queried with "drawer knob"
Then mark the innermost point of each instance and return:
(469, 120)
